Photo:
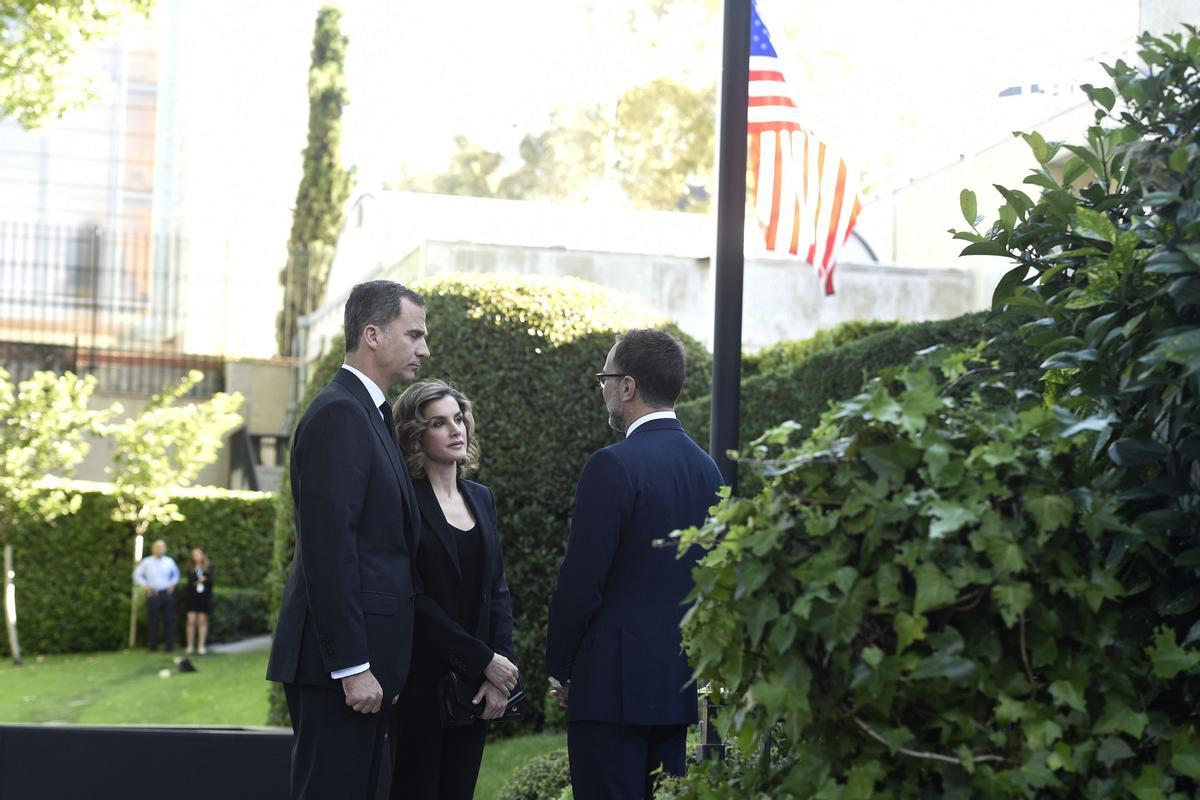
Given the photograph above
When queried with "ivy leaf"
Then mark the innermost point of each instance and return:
(908, 629)
(1049, 511)
(1148, 785)
(1066, 693)
(949, 517)
(1168, 657)
(943, 665)
(1013, 599)
(1118, 717)
(933, 589)
(1112, 750)
(1186, 758)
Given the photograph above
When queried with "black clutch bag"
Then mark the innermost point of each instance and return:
(454, 701)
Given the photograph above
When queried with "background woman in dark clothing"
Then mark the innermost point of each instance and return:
(464, 616)
(199, 599)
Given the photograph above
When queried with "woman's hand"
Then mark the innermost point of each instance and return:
(494, 700)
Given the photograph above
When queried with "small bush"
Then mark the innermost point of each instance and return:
(543, 778)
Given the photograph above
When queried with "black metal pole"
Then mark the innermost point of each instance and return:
(731, 217)
(728, 265)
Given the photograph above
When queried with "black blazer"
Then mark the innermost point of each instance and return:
(349, 598)
(614, 619)
(449, 634)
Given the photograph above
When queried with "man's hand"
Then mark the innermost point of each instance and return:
(561, 694)
(494, 701)
(502, 673)
(171, 589)
(363, 692)
(146, 590)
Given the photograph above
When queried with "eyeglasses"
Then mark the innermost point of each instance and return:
(600, 376)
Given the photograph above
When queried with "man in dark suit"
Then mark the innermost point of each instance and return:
(613, 651)
(344, 638)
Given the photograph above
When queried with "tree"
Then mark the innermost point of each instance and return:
(665, 139)
(324, 186)
(41, 77)
(656, 148)
(43, 423)
(161, 450)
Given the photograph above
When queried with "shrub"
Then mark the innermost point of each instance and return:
(73, 575)
(782, 355)
(803, 391)
(543, 778)
(525, 350)
(943, 594)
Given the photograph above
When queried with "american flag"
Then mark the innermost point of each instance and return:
(805, 197)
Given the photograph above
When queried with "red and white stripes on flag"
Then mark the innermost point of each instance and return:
(805, 197)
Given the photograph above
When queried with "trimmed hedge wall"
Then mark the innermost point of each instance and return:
(525, 351)
(803, 391)
(73, 575)
(788, 353)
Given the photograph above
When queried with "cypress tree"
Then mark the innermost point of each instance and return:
(324, 186)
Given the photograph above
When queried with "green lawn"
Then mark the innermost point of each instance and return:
(502, 756)
(125, 688)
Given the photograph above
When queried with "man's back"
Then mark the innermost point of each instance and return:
(614, 621)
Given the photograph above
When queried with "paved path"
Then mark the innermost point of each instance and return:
(244, 646)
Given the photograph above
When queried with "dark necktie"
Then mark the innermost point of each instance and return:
(388, 421)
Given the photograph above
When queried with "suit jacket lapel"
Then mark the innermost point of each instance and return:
(388, 440)
(429, 507)
(483, 522)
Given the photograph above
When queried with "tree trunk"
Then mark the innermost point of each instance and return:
(138, 542)
(10, 605)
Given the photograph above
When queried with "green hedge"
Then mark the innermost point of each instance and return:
(525, 350)
(543, 778)
(790, 352)
(804, 390)
(73, 575)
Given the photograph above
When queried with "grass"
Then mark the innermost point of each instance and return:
(125, 688)
(502, 756)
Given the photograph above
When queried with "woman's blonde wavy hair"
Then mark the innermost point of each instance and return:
(409, 413)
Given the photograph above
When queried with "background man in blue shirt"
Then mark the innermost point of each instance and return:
(157, 574)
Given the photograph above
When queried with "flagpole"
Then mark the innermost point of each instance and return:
(728, 263)
(730, 255)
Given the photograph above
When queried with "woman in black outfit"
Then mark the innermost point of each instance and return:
(464, 616)
(199, 599)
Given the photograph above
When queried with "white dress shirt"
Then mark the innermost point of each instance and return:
(378, 398)
(637, 423)
(157, 572)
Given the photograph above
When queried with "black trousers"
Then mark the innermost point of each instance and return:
(432, 762)
(337, 752)
(614, 762)
(160, 610)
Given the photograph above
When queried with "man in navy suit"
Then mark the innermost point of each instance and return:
(613, 651)
(344, 638)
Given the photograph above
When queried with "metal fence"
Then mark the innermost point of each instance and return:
(107, 303)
